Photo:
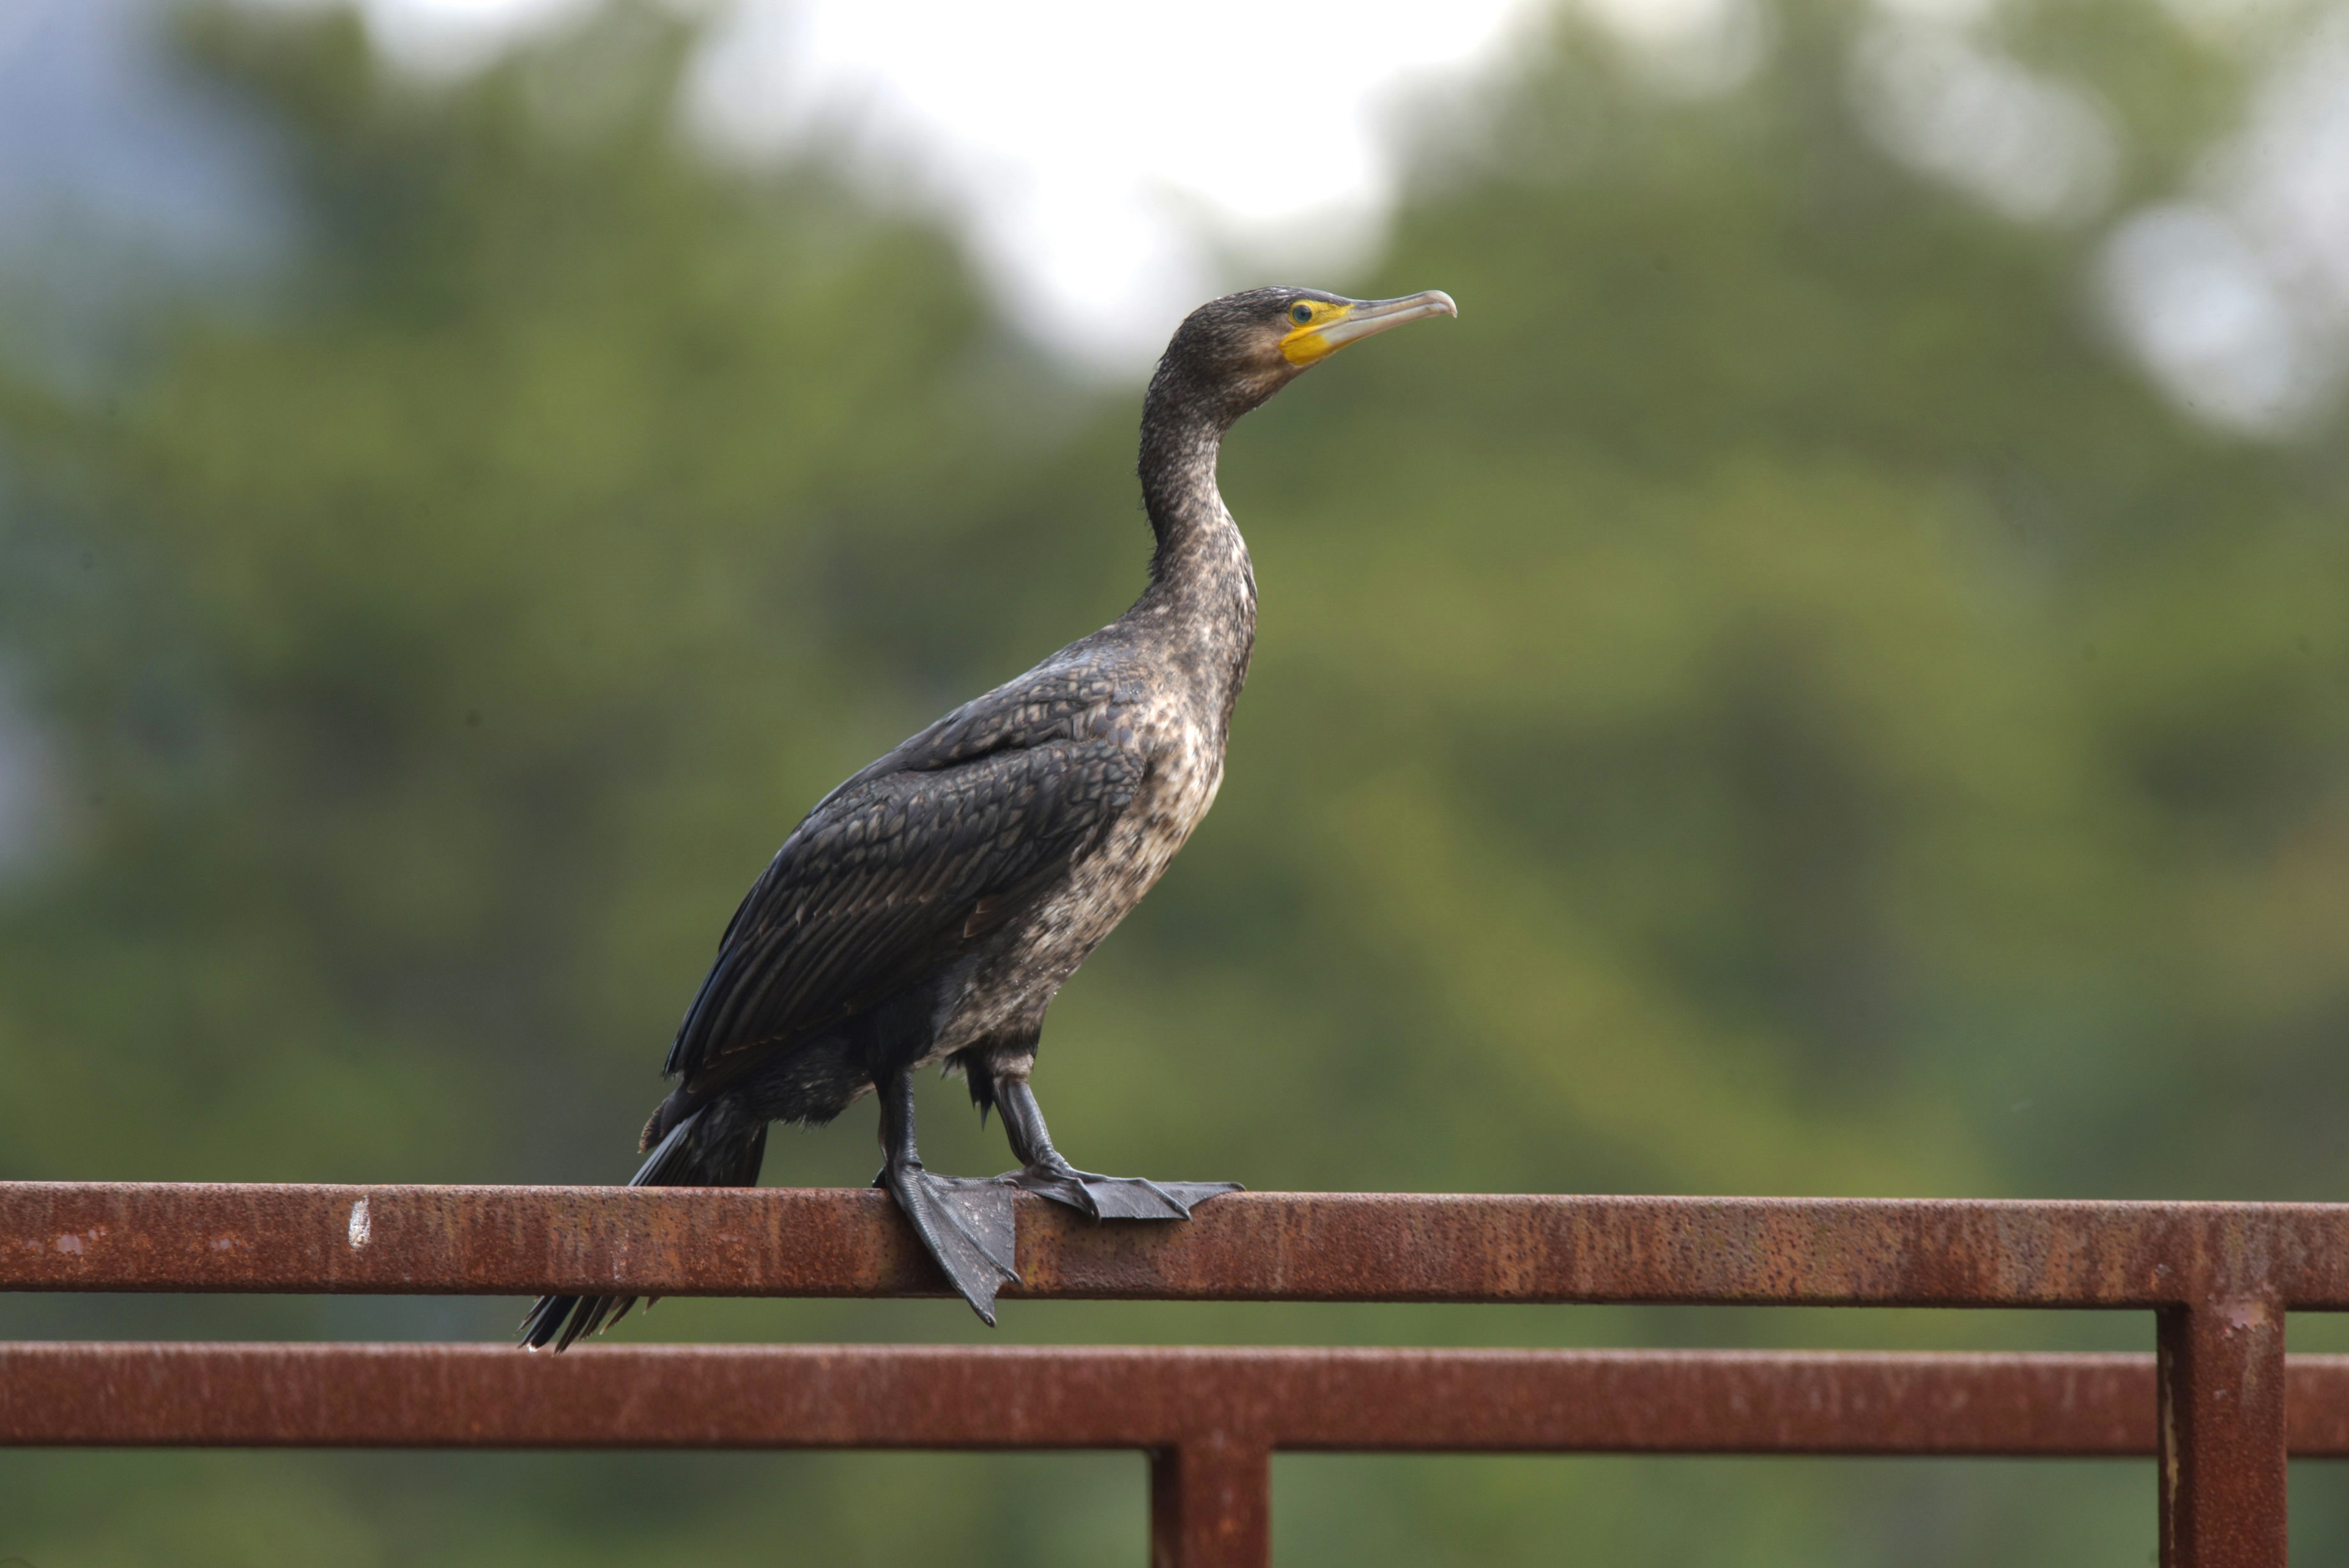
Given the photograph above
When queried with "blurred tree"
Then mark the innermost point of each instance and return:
(1769, 701)
(432, 630)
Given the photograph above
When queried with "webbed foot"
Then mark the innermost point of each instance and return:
(1119, 1197)
(966, 1226)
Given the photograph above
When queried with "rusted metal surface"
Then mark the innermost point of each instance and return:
(1211, 1502)
(1246, 1247)
(926, 1397)
(2223, 1431)
(2219, 1277)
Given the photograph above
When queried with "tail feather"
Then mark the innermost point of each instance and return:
(715, 1145)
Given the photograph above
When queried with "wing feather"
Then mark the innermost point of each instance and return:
(896, 872)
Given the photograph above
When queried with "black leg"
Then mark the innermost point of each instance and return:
(1046, 1174)
(966, 1225)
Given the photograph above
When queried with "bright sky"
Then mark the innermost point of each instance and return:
(1112, 163)
(1102, 155)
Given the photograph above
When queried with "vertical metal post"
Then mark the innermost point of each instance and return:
(2222, 1435)
(1211, 1503)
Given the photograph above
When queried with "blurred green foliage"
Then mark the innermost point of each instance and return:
(1768, 701)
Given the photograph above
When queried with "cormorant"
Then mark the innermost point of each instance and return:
(929, 909)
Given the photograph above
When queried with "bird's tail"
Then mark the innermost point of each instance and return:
(715, 1145)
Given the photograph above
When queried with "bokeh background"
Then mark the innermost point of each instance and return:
(1830, 677)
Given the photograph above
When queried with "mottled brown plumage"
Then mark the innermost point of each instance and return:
(929, 909)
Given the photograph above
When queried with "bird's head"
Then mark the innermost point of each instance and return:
(1233, 353)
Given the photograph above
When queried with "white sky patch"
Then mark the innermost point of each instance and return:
(1110, 165)
(2031, 146)
(2197, 302)
(2238, 298)
(2289, 172)
(1107, 161)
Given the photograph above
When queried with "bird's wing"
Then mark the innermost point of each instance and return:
(898, 870)
(1068, 698)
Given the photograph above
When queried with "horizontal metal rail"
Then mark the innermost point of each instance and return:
(85, 1395)
(2219, 1277)
(1210, 1420)
(1249, 1246)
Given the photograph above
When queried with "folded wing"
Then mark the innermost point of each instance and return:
(901, 869)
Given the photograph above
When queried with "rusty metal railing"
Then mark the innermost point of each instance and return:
(2218, 1404)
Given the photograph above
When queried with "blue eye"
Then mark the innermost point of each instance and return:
(1300, 314)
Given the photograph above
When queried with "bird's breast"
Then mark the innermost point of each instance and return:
(1186, 769)
(1007, 995)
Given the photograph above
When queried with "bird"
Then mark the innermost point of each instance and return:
(928, 909)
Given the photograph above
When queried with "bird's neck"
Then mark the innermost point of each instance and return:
(1201, 594)
(1200, 551)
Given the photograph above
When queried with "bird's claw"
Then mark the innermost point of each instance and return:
(1119, 1197)
(966, 1226)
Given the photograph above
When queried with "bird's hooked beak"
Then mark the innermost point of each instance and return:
(1336, 324)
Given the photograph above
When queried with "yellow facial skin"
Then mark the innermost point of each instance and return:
(1320, 327)
(1304, 344)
